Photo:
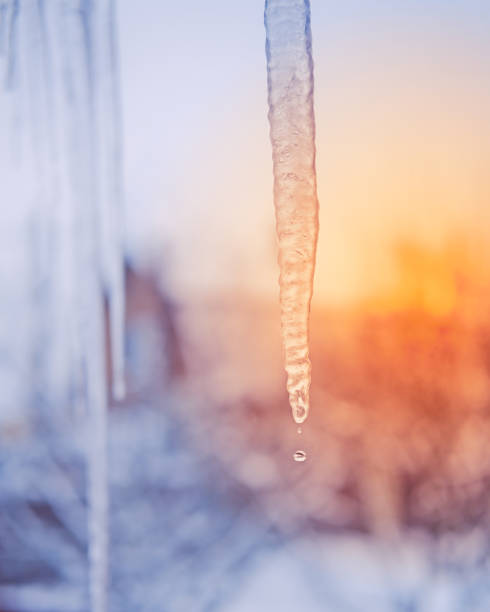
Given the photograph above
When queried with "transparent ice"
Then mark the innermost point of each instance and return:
(292, 132)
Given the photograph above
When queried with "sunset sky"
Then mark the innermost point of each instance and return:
(403, 139)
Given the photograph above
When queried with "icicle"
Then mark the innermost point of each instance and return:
(12, 44)
(3, 25)
(85, 150)
(59, 80)
(292, 131)
(110, 128)
(98, 497)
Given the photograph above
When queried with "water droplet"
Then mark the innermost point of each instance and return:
(300, 431)
(299, 455)
(299, 413)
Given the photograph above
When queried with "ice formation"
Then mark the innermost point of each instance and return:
(61, 231)
(292, 132)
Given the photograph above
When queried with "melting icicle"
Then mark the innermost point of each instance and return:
(292, 131)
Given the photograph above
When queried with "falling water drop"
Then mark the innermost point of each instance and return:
(299, 456)
(299, 430)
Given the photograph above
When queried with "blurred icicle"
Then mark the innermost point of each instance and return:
(79, 51)
(61, 239)
(111, 200)
(292, 131)
(4, 5)
(12, 27)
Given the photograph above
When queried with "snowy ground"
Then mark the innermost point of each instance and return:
(186, 535)
(210, 513)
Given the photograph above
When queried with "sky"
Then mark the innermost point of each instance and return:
(403, 141)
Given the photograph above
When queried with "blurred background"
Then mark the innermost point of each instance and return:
(208, 511)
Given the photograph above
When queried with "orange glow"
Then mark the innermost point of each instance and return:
(425, 280)
(403, 142)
